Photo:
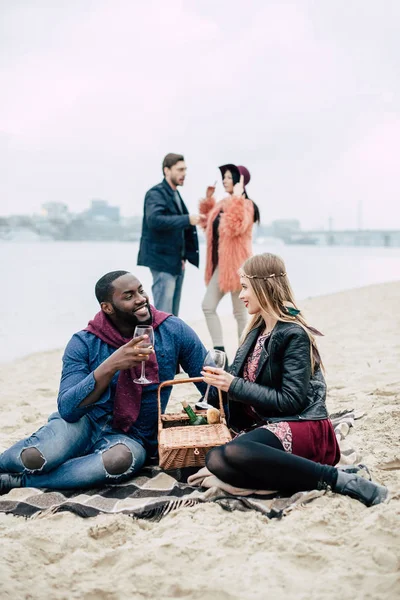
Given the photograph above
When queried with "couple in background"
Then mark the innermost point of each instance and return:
(169, 239)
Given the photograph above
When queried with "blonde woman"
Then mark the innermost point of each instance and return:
(276, 395)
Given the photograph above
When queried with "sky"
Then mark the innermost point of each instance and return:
(305, 94)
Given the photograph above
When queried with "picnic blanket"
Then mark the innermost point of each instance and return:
(154, 493)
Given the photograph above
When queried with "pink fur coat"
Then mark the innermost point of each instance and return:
(235, 238)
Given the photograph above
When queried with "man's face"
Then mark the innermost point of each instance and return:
(176, 174)
(130, 303)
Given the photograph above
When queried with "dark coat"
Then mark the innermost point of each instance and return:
(165, 232)
(285, 388)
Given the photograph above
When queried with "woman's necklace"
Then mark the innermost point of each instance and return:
(268, 332)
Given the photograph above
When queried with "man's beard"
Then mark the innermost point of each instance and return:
(175, 181)
(130, 319)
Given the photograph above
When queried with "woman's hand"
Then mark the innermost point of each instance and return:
(211, 190)
(238, 188)
(218, 378)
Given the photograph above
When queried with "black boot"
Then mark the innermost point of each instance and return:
(361, 489)
(359, 469)
(8, 482)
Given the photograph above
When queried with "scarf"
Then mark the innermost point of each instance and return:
(128, 395)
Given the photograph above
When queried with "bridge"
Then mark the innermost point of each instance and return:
(356, 237)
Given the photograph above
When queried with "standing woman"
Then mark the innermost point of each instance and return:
(229, 229)
(276, 398)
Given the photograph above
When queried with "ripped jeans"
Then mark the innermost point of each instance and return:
(73, 454)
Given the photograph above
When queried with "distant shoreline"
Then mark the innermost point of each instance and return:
(342, 239)
(199, 325)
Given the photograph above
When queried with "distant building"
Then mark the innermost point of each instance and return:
(132, 227)
(4, 227)
(100, 210)
(56, 211)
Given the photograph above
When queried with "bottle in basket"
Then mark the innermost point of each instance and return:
(193, 418)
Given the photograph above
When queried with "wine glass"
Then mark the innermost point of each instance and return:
(214, 358)
(144, 330)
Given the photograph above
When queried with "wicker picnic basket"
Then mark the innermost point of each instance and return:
(184, 445)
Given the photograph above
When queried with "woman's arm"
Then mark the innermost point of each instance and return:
(206, 205)
(291, 398)
(238, 216)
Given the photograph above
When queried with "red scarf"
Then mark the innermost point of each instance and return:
(128, 395)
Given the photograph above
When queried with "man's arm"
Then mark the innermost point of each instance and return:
(157, 216)
(80, 387)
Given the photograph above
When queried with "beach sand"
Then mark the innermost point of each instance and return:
(332, 548)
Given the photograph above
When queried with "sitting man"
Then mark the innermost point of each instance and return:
(106, 426)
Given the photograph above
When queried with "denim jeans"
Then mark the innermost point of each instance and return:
(167, 291)
(72, 454)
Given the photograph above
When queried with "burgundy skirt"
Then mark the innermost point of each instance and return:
(315, 440)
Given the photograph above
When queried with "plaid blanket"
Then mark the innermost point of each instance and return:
(151, 495)
(154, 493)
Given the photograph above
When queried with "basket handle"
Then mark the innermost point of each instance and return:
(177, 382)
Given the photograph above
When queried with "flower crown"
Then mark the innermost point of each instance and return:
(266, 277)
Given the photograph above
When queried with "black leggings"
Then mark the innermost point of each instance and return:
(257, 460)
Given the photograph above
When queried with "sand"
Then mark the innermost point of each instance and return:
(332, 548)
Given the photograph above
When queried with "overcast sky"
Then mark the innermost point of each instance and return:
(306, 94)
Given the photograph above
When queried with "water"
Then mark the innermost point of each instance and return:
(48, 288)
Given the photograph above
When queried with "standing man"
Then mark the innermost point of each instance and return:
(169, 236)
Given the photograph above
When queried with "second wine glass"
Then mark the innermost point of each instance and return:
(213, 358)
(149, 342)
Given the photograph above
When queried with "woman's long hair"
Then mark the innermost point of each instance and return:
(266, 273)
(236, 179)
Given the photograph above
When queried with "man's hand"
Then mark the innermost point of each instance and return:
(203, 220)
(131, 354)
(127, 356)
(218, 378)
(194, 219)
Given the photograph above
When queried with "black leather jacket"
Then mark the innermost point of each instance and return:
(284, 389)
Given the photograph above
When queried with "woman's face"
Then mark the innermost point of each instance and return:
(248, 296)
(228, 182)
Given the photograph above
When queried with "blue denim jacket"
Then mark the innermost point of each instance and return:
(175, 342)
